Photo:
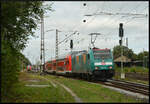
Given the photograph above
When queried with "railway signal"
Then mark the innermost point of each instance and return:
(120, 42)
(71, 44)
(121, 30)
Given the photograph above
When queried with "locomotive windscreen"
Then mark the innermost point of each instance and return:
(102, 54)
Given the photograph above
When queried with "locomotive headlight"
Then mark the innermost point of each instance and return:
(110, 67)
(96, 68)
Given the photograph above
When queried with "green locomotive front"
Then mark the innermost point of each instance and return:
(93, 64)
(101, 63)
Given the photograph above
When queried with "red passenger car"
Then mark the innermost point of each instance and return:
(68, 64)
(59, 66)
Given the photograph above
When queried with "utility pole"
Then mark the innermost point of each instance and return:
(127, 42)
(42, 56)
(120, 41)
(22, 64)
(56, 51)
(143, 57)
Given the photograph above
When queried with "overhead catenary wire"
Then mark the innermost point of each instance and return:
(107, 35)
(123, 17)
(110, 32)
(89, 22)
(93, 19)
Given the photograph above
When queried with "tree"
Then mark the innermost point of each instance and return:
(141, 55)
(17, 24)
(18, 21)
(126, 52)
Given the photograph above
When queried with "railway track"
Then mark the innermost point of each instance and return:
(126, 85)
(137, 76)
(130, 86)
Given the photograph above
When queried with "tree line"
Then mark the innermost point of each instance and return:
(18, 20)
(129, 53)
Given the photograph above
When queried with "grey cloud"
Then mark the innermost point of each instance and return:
(70, 15)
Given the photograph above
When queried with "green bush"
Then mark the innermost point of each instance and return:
(134, 69)
(9, 68)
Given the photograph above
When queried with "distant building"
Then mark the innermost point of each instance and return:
(126, 61)
(123, 58)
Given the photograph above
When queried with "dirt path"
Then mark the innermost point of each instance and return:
(77, 99)
(37, 85)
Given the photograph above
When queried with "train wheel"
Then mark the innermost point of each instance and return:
(83, 76)
(88, 77)
(93, 78)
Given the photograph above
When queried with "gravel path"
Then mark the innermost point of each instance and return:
(37, 85)
(77, 99)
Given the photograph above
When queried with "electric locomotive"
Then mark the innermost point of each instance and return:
(93, 64)
(102, 65)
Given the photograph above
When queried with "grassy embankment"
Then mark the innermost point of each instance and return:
(86, 91)
(22, 93)
(135, 70)
(93, 92)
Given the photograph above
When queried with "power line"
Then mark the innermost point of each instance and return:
(67, 37)
(126, 14)
(127, 20)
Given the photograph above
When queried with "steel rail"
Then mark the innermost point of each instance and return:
(129, 86)
(142, 86)
(134, 87)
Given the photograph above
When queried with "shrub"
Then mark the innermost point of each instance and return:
(9, 68)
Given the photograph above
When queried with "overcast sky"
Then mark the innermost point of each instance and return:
(68, 17)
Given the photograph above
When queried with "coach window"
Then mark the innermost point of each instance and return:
(54, 64)
(88, 56)
(67, 62)
(74, 60)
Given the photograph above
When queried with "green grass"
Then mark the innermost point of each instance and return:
(93, 93)
(132, 80)
(26, 94)
(87, 92)
(134, 69)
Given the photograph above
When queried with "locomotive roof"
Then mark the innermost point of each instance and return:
(78, 52)
(100, 49)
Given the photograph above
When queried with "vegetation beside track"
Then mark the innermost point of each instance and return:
(86, 91)
(132, 80)
(134, 69)
(93, 92)
(22, 93)
(18, 20)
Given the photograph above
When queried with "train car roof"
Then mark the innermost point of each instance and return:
(100, 49)
(78, 52)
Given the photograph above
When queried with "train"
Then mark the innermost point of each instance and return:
(29, 68)
(94, 64)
